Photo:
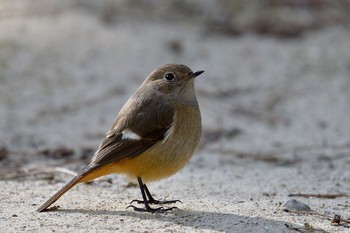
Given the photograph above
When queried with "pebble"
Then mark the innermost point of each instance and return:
(293, 204)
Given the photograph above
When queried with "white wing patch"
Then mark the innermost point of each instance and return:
(168, 133)
(128, 134)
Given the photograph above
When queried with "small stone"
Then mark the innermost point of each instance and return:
(295, 205)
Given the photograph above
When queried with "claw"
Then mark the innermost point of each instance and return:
(137, 201)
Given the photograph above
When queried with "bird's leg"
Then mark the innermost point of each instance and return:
(151, 200)
(145, 192)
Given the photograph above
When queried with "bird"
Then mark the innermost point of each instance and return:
(154, 135)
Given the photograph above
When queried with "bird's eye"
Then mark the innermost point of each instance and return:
(169, 76)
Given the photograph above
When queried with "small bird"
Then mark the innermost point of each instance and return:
(153, 136)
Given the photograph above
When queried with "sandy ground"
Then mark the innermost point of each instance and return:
(275, 122)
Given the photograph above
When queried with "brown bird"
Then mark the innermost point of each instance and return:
(153, 136)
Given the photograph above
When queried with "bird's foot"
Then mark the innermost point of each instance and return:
(151, 210)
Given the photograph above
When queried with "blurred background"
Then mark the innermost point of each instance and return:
(277, 72)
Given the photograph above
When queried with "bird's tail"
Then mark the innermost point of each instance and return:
(62, 191)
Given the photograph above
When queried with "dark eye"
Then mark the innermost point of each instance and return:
(169, 76)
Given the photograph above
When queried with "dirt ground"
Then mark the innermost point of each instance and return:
(274, 103)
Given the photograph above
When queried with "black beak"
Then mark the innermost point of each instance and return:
(195, 74)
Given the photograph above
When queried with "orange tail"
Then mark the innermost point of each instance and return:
(87, 174)
(62, 191)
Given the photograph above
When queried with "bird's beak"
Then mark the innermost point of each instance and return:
(195, 74)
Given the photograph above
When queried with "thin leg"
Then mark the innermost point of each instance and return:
(144, 192)
(151, 200)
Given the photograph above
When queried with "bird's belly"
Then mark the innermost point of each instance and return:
(154, 166)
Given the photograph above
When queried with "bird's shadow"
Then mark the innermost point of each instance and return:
(228, 222)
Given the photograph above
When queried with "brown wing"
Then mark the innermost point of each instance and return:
(147, 119)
